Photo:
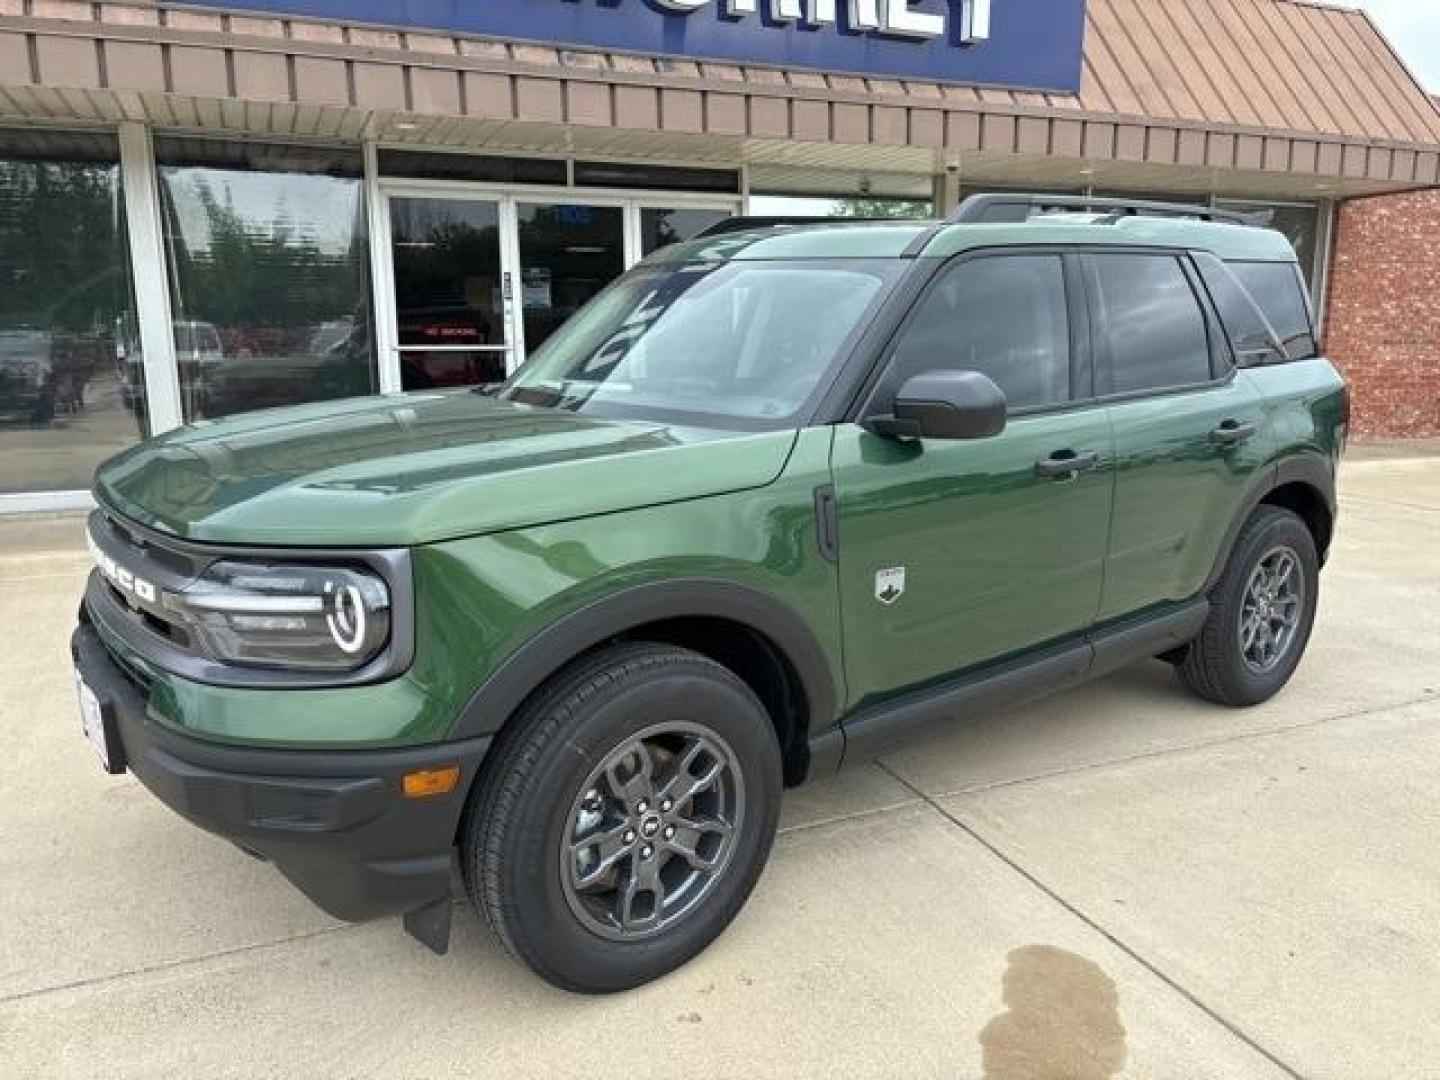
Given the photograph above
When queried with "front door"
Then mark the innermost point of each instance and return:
(482, 277)
(454, 292)
(955, 554)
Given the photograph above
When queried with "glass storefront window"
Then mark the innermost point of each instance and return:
(567, 255)
(661, 228)
(72, 389)
(269, 274)
(1301, 224)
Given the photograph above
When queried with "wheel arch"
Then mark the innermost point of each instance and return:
(761, 640)
(1303, 484)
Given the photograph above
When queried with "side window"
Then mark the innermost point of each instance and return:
(1279, 291)
(1254, 339)
(1149, 317)
(1004, 316)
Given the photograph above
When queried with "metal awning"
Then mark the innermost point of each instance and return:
(1276, 98)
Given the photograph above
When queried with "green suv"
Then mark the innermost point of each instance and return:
(778, 497)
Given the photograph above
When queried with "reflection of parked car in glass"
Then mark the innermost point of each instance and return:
(27, 374)
(199, 353)
(289, 365)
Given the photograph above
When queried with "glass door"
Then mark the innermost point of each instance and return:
(482, 277)
(568, 252)
(453, 320)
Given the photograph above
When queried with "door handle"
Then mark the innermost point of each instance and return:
(1066, 464)
(1233, 433)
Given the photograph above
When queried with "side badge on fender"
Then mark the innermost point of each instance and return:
(890, 585)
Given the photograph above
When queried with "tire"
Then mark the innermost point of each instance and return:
(566, 770)
(44, 411)
(1218, 665)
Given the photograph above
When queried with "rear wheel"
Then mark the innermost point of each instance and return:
(1261, 614)
(625, 817)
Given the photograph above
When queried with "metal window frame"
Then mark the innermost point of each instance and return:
(508, 197)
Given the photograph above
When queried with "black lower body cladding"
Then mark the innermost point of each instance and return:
(334, 822)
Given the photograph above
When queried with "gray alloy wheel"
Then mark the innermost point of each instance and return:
(1271, 610)
(651, 831)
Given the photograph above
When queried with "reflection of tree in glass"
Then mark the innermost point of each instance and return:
(898, 209)
(271, 308)
(258, 272)
(61, 226)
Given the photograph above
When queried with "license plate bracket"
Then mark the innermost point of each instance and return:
(97, 719)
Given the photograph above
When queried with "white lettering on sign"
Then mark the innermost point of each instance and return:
(896, 18)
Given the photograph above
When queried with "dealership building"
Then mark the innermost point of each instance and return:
(206, 208)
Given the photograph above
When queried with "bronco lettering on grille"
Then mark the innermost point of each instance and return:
(124, 580)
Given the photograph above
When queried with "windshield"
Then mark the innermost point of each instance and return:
(736, 344)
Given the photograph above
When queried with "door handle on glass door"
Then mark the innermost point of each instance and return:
(1065, 464)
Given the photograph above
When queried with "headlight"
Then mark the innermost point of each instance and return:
(301, 618)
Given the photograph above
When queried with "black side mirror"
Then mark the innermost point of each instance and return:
(944, 405)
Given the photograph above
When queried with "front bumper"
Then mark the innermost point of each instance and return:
(334, 822)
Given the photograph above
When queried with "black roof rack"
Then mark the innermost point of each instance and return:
(739, 224)
(978, 209)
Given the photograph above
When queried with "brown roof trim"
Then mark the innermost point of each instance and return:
(162, 52)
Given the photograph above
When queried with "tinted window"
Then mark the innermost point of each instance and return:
(1254, 339)
(1277, 290)
(1152, 322)
(1004, 317)
(662, 227)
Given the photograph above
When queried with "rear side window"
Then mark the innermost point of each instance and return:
(1279, 291)
(1254, 339)
(1004, 316)
(1150, 322)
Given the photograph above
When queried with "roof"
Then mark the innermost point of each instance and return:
(839, 239)
(1281, 64)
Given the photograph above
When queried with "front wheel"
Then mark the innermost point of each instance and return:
(625, 818)
(1261, 613)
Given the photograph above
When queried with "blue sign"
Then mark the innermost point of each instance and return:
(1026, 44)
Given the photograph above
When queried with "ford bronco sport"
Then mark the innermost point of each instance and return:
(779, 496)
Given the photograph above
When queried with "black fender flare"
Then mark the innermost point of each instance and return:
(1313, 469)
(527, 668)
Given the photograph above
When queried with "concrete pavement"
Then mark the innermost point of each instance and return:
(1119, 882)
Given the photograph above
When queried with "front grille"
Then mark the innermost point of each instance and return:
(145, 545)
(151, 558)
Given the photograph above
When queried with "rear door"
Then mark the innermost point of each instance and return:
(1188, 427)
(953, 554)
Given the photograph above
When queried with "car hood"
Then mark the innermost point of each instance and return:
(418, 468)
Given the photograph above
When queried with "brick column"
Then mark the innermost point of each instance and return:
(1383, 322)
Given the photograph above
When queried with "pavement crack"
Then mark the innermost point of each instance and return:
(1394, 504)
(1114, 939)
(179, 963)
(840, 819)
(1175, 751)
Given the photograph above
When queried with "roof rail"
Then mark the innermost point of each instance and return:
(738, 224)
(978, 209)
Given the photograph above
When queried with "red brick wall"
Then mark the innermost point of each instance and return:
(1383, 320)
